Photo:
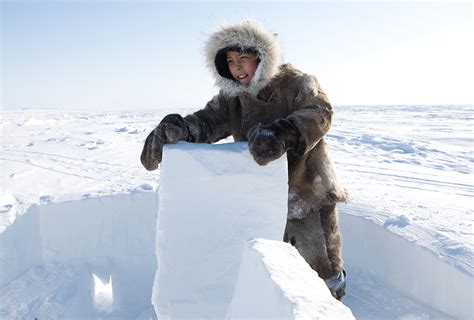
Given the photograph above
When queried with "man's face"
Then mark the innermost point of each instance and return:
(242, 66)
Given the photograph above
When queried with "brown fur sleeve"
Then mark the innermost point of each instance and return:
(210, 124)
(312, 112)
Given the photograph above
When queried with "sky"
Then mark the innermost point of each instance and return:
(134, 55)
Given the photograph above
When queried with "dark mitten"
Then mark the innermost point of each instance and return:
(270, 142)
(170, 130)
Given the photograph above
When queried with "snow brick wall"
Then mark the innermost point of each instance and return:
(213, 199)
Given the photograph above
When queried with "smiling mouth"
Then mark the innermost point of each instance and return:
(242, 76)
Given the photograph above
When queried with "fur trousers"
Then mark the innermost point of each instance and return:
(318, 240)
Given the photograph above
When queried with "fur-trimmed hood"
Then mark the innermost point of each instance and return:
(247, 34)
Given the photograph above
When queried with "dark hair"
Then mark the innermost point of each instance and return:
(221, 59)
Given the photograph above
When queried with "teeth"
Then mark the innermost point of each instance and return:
(242, 76)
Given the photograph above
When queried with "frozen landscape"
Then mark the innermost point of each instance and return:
(78, 212)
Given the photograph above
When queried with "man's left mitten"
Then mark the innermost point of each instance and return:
(269, 142)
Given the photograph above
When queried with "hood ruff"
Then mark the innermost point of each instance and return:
(247, 34)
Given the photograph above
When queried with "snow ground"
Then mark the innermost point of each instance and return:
(412, 168)
(408, 170)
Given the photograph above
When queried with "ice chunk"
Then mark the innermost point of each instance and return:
(213, 199)
(275, 282)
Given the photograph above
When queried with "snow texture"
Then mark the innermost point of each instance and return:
(411, 270)
(275, 282)
(50, 256)
(412, 161)
(229, 200)
(407, 229)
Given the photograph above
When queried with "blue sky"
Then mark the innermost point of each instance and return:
(148, 54)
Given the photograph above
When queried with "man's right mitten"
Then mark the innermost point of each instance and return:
(170, 130)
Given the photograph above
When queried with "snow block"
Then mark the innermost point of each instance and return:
(49, 255)
(212, 200)
(410, 269)
(20, 246)
(275, 282)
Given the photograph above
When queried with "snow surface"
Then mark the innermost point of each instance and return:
(408, 170)
(410, 269)
(413, 164)
(51, 255)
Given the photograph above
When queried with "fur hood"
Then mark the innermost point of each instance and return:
(247, 34)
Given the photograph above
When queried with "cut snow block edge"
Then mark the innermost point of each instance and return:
(275, 282)
(50, 256)
(408, 268)
(212, 200)
(112, 226)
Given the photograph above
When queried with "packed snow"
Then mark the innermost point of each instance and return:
(411, 168)
(275, 282)
(207, 270)
(78, 212)
(229, 199)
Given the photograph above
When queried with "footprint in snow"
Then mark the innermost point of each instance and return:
(129, 130)
(400, 221)
(92, 145)
(123, 129)
(62, 139)
(5, 208)
(136, 131)
(145, 186)
(46, 199)
(142, 187)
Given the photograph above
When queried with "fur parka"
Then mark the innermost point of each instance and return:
(278, 91)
